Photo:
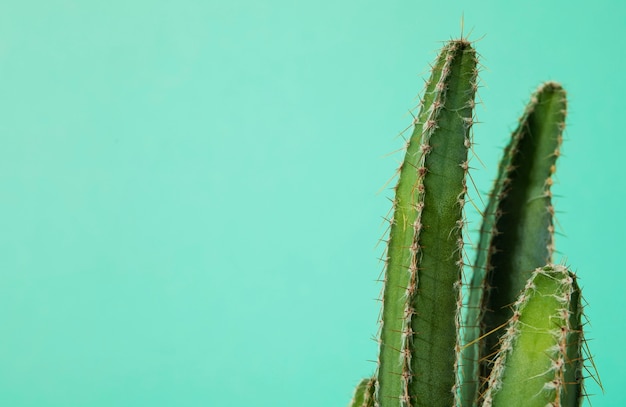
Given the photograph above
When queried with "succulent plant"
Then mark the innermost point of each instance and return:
(511, 335)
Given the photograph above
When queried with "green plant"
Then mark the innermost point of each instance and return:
(513, 335)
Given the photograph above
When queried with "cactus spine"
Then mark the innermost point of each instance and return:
(517, 339)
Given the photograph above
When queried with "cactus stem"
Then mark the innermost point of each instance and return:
(411, 373)
(518, 227)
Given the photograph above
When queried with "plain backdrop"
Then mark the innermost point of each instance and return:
(191, 192)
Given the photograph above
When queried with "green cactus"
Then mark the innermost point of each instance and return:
(517, 232)
(435, 348)
(425, 243)
(364, 393)
(539, 359)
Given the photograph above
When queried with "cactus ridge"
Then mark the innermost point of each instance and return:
(540, 347)
(425, 248)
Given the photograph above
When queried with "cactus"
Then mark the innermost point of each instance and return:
(364, 393)
(539, 359)
(425, 243)
(517, 232)
(435, 349)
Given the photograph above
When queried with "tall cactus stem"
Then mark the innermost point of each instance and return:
(424, 261)
(517, 232)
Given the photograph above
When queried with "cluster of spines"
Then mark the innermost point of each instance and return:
(400, 330)
(539, 359)
(517, 232)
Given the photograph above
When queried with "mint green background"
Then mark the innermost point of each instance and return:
(189, 189)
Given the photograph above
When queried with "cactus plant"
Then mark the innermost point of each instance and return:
(513, 335)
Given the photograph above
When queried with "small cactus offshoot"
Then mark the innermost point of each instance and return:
(516, 339)
(539, 358)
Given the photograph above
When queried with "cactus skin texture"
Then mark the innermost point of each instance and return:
(539, 360)
(517, 339)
